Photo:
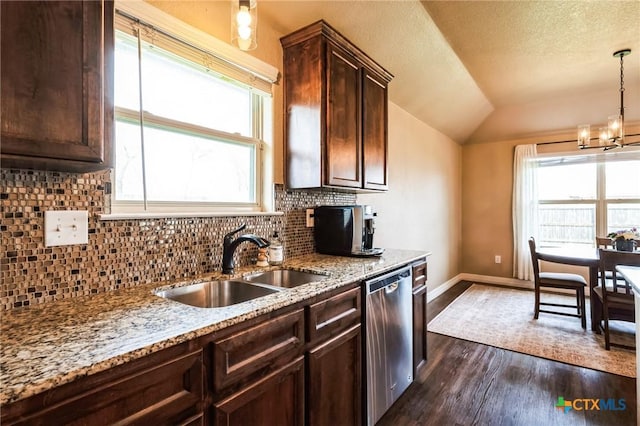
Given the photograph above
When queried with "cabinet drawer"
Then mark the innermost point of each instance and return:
(258, 350)
(419, 270)
(164, 388)
(333, 315)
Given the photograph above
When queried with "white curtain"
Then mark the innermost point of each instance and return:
(524, 209)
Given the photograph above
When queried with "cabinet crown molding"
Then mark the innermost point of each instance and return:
(321, 27)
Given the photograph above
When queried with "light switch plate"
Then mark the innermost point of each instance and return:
(66, 227)
(309, 214)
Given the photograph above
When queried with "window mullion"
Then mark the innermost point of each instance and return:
(601, 204)
(256, 116)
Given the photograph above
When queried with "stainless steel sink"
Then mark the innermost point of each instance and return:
(216, 294)
(284, 278)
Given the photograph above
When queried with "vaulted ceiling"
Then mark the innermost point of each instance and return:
(488, 70)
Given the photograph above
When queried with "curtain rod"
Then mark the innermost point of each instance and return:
(575, 141)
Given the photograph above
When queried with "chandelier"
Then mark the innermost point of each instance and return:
(611, 136)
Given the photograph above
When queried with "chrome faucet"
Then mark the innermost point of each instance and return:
(230, 245)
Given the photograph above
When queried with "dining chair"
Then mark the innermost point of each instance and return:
(619, 283)
(604, 242)
(615, 305)
(557, 280)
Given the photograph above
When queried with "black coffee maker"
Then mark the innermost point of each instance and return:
(345, 230)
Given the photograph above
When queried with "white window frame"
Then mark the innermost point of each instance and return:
(600, 201)
(262, 129)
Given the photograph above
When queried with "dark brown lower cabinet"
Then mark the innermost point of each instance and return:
(160, 389)
(419, 328)
(277, 399)
(334, 360)
(334, 385)
(258, 373)
(262, 378)
(419, 270)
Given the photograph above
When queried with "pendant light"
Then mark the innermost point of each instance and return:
(611, 136)
(244, 21)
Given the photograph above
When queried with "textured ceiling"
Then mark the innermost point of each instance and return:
(525, 51)
(474, 69)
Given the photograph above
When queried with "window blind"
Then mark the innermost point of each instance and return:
(209, 60)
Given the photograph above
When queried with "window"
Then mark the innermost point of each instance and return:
(193, 130)
(581, 197)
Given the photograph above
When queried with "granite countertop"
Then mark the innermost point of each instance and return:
(48, 345)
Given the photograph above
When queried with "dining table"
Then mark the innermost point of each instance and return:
(581, 256)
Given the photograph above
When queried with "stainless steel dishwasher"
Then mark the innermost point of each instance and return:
(389, 341)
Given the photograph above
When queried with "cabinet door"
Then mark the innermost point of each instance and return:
(343, 147)
(53, 111)
(419, 273)
(334, 388)
(419, 328)
(374, 131)
(277, 399)
(303, 91)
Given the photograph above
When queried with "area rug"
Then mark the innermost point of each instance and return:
(503, 318)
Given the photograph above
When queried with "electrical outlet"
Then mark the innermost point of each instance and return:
(498, 259)
(309, 218)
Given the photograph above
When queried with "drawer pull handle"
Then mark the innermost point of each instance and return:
(280, 347)
(336, 318)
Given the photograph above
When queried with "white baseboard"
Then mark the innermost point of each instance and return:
(486, 279)
(432, 294)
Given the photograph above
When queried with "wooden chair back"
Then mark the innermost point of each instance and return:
(609, 259)
(604, 242)
(615, 305)
(536, 257)
(534, 261)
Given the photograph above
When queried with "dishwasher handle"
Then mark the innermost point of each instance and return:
(391, 288)
(394, 277)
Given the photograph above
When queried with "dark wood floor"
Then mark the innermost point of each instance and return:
(466, 383)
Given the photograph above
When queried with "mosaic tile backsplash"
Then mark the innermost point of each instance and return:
(123, 253)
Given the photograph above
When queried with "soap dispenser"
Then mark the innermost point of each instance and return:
(276, 250)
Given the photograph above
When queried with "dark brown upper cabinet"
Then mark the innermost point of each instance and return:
(57, 84)
(335, 112)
